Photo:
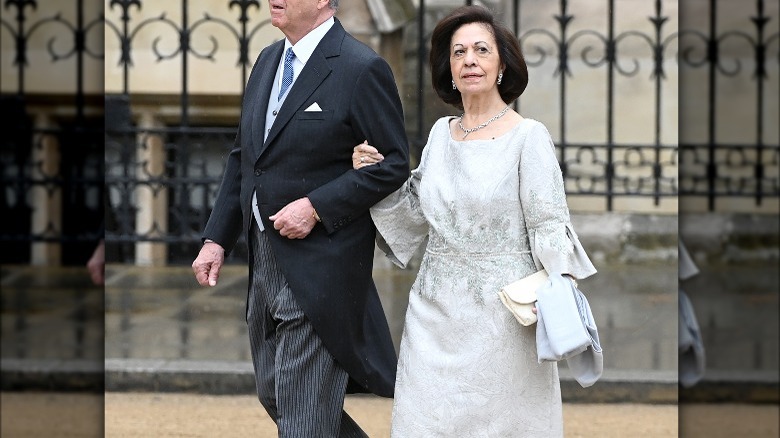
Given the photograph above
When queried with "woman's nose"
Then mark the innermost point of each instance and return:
(470, 58)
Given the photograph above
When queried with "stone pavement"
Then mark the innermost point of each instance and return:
(145, 414)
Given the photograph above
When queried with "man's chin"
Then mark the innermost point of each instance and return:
(277, 21)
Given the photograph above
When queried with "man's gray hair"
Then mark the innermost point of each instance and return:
(334, 4)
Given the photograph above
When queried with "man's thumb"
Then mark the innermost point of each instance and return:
(213, 274)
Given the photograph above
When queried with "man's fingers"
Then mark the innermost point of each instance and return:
(278, 214)
(278, 221)
(201, 274)
(208, 263)
(294, 231)
(293, 221)
(278, 218)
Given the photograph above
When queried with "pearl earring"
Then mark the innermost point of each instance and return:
(500, 76)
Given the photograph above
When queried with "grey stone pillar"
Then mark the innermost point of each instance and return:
(151, 195)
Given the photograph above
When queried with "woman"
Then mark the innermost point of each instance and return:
(489, 197)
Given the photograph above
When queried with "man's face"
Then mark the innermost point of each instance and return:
(296, 18)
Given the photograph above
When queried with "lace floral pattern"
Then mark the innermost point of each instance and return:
(492, 212)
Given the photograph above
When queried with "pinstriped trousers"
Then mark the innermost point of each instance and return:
(298, 382)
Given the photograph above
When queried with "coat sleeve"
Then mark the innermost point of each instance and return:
(224, 224)
(554, 244)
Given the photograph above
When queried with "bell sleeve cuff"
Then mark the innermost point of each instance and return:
(556, 248)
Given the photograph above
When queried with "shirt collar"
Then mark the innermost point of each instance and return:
(306, 45)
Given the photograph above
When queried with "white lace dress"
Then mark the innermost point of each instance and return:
(493, 211)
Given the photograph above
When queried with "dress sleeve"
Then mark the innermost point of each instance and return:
(400, 223)
(554, 244)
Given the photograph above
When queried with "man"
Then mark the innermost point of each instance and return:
(316, 325)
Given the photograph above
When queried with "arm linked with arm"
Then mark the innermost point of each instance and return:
(377, 116)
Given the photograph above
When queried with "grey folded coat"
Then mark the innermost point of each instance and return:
(566, 330)
(692, 360)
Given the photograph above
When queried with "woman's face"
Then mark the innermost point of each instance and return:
(474, 60)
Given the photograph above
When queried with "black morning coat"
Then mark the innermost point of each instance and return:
(308, 153)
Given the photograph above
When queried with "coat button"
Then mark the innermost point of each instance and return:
(258, 172)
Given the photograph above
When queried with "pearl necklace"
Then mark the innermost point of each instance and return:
(482, 125)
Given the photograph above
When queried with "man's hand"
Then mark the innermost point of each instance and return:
(295, 220)
(96, 265)
(208, 263)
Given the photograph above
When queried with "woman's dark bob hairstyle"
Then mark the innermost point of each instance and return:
(515, 76)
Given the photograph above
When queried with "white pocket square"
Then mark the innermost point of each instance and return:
(313, 107)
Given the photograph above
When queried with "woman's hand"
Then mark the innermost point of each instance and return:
(365, 155)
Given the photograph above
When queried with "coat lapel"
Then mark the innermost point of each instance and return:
(261, 94)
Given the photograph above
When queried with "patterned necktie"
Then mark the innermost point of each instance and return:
(287, 76)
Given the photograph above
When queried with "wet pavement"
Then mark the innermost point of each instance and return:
(159, 322)
(163, 314)
(158, 330)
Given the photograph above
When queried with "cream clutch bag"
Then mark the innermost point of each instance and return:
(519, 296)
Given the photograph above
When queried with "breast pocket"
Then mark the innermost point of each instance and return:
(314, 115)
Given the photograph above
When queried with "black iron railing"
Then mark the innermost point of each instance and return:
(714, 168)
(178, 164)
(51, 161)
